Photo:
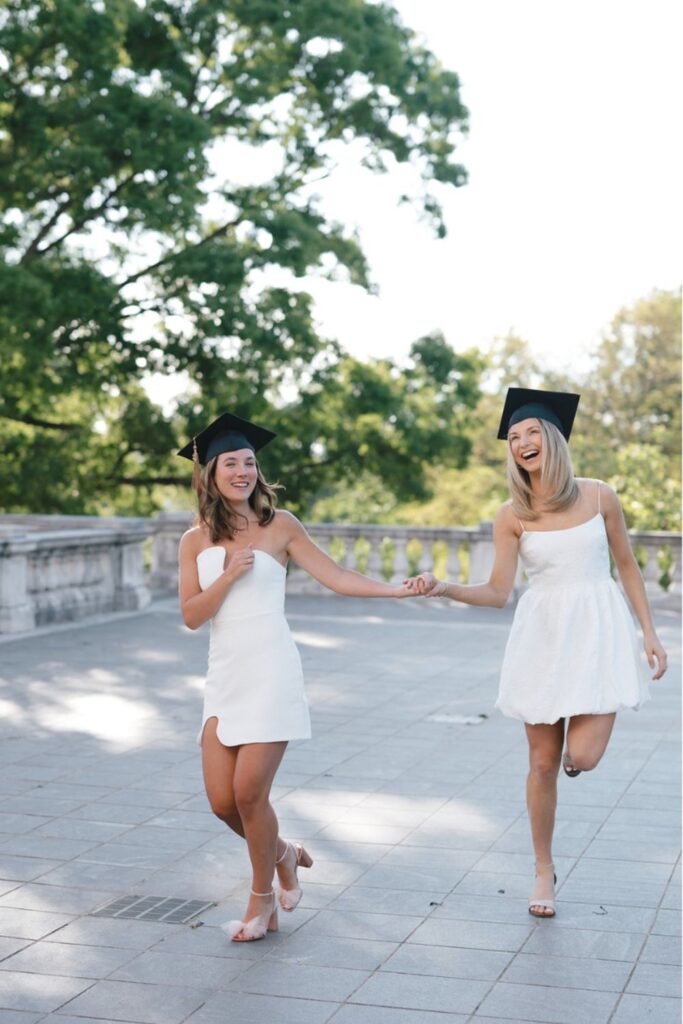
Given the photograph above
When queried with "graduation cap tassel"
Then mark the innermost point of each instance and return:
(196, 468)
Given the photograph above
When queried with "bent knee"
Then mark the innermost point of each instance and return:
(250, 799)
(223, 808)
(585, 762)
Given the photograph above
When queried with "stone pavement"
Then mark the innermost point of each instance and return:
(415, 909)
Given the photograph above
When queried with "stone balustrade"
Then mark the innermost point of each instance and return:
(62, 568)
(72, 571)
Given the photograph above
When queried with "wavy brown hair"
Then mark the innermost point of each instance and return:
(557, 474)
(217, 514)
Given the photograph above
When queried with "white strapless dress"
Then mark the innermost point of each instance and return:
(255, 684)
(573, 648)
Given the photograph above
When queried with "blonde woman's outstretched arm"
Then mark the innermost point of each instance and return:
(496, 591)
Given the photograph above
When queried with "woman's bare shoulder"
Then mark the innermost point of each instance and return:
(286, 522)
(506, 511)
(194, 539)
(590, 481)
(506, 518)
(589, 486)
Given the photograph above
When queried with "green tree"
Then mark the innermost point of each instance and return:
(632, 394)
(630, 424)
(627, 430)
(135, 238)
(380, 420)
(650, 493)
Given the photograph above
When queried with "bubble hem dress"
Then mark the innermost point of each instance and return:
(254, 683)
(573, 648)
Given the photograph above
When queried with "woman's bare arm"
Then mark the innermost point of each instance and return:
(196, 605)
(326, 571)
(496, 591)
(630, 576)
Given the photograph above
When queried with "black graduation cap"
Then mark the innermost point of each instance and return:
(557, 407)
(228, 433)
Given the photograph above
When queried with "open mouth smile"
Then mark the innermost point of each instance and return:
(528, 456)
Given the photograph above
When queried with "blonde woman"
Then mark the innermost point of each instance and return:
(233, 566)
(572, 658)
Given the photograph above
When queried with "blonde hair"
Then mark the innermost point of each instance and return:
(217, 514)
(557, 476)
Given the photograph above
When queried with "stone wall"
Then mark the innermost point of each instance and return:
(65, 568)
(70, 572)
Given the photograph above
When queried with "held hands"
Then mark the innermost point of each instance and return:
(239, 562)
(409, 588)
(656, 655)
(425, 585)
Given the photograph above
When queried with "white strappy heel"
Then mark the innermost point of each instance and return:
(257, 926)
(548, 903)
(289, 898)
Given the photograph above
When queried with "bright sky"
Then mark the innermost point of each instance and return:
(572, 209)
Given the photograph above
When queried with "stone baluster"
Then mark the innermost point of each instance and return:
(674, 592)
(482, 554)
(401, 567)
(453, 565)
(423, 561)
(651, 571)
(52, 598)
(351, 555)
(374, 568)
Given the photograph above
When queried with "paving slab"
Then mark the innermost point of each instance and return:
(415, 911)
(37, 992)
(551, 1005)
(142, 1004)
(635, 1009)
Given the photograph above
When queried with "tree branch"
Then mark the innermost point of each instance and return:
(191, 96)
(147, 481)
(169, 257)
(34, 421)
(46, 228)
(79, 223)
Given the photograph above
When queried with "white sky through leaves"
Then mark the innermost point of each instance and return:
(573, 206)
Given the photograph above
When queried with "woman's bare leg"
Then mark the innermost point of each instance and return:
(545, 754)
(255, 770)
(218, 763)
(218, 766)
(587, 739)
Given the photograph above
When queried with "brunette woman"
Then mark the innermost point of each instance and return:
(233, 567)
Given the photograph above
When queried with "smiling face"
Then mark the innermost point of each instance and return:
(236, 474)
(526, 444)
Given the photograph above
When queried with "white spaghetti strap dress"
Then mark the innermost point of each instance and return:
(254, 685)
(573, 648)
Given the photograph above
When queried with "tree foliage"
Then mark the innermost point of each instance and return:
(627, 430)
(632, 394)
(158, 162)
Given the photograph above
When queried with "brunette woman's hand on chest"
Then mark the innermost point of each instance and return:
(239, 562)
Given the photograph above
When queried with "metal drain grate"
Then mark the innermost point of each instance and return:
(153, 908)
